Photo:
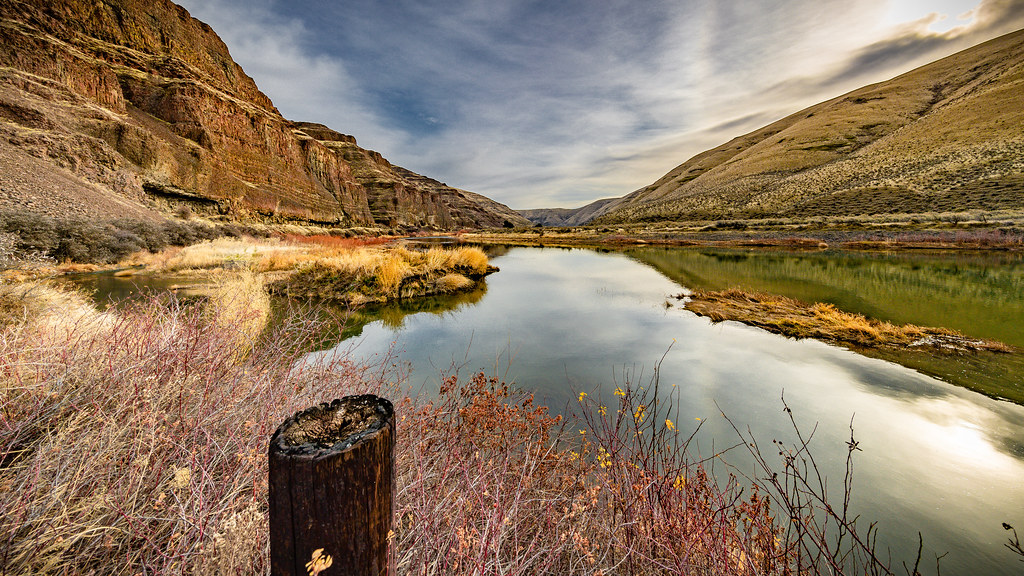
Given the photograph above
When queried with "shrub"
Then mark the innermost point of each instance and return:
(36, 232)
(150, 236)
(139, 444)
(83, 241)
(135, 441)
(179, 233)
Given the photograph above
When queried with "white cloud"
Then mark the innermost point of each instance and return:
(580, 102)
(303, 85)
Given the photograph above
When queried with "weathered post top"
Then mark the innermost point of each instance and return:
(332, 489)
(329, 428)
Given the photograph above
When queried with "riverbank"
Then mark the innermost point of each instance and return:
(795, 319)
(1008, 236)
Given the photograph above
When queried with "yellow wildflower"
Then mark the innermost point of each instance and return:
(582, 396)
(669, 424)
(639, 414)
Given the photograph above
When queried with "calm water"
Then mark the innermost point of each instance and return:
(936, 457)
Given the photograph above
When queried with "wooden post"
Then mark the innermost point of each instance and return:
(332, 489)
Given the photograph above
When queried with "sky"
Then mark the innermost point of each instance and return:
(557, 103)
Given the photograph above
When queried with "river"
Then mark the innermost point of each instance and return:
(936, 457)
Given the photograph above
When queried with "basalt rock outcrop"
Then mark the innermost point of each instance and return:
(133, 107)
(400, 197)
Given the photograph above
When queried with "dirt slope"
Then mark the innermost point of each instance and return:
(944, 137)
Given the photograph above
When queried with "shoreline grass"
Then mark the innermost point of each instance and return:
(821, 321)
(135, 441)
(368, 275)
(352, 271)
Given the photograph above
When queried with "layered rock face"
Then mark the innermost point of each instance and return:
(400, 197)
(133, 106)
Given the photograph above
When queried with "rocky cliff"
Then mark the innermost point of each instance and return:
(945, 137)
(122, 107)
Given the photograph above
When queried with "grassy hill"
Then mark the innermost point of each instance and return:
(945, 137)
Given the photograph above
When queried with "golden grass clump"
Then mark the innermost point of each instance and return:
(470, 258)
(391, 269)
(375, 274)
(281, 260)
(353, 270)
(436, 259)
(453, 283)
(823, 321)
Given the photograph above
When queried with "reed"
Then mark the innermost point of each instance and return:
(141, 446)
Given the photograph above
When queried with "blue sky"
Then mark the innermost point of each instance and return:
(548, 103)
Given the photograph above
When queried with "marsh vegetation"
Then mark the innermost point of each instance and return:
(134, 439)
(325, 268)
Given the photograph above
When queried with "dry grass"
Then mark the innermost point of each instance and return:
(353, 270)
(141, 448)
(224, 253)
(337, 242)
(36, 305)
(821, 321)
(390, 269)
(239, 307)
(373, 274)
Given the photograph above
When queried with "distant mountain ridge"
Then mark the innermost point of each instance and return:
(134, 108)
(566, 216)
(944, 137)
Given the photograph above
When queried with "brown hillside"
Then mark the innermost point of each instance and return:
(944, 137)
(131, 107)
